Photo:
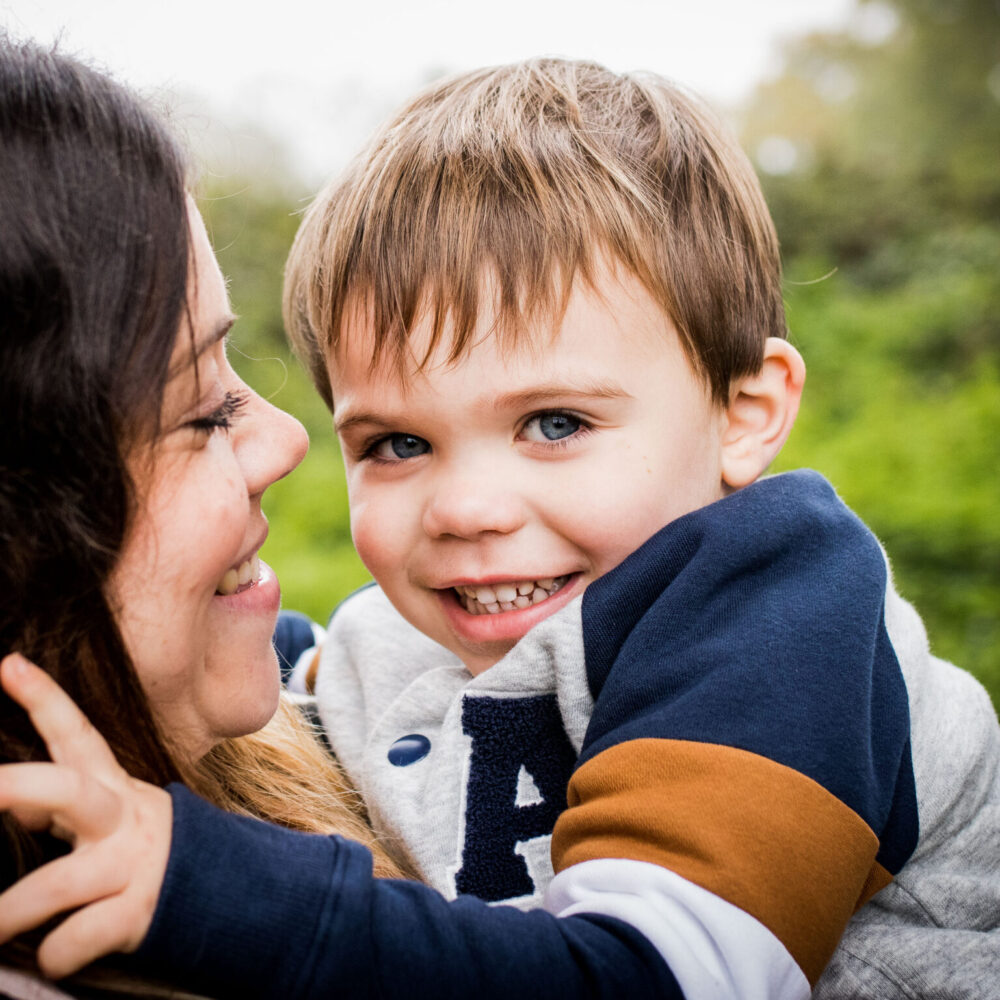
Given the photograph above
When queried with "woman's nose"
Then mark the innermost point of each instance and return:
(272, 443)
(470, 505)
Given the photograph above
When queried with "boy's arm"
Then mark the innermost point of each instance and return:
(746, 774)
(297, 640)
(119, 829)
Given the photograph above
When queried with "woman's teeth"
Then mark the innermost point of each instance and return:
(243, 576)
(483, 600)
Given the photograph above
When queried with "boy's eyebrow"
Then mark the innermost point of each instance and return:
(531, 396)
(548, 391)
(356, 419)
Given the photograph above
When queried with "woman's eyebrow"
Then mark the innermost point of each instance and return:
(179, 365)
(221, 329)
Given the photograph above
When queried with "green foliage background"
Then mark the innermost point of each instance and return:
(886, 198)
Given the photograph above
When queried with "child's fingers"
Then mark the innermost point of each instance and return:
(67, 732)
(89, 934)
(64, 884)
(43, 795)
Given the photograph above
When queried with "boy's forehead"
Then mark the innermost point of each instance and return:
(362, 358)
(357, 369)
(518, 339)
(612, 318)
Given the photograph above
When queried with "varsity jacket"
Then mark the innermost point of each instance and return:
(734, 748)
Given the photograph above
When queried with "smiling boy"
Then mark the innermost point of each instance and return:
(544, 306)
(488, 492)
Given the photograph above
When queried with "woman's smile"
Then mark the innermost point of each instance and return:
(201, 639)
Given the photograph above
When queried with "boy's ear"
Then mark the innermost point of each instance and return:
(761, 412)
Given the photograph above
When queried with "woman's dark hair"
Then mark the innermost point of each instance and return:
(93, 276)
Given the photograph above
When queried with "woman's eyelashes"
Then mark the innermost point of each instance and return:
(222, 417)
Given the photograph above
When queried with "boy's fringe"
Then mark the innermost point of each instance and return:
(506, 185)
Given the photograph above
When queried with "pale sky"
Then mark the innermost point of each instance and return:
(319, 76)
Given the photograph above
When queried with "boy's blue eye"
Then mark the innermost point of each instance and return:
(399, 447)
(552, 426)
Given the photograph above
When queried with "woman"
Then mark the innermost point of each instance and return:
(132, 466)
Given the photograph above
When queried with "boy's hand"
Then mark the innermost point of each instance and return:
(119, 828)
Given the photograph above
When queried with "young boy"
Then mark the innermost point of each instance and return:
(545, 310)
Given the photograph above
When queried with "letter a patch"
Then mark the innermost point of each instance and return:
(518, 772)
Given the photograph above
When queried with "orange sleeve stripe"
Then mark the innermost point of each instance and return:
(756, 833)
(312, 672)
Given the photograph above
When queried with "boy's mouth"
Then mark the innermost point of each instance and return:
(241, 577)
(491, 599)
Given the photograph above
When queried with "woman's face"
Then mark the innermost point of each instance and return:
(195, 604)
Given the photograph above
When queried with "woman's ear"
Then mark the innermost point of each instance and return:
(762, 410)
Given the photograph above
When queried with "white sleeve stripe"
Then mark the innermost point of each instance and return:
(714, 949)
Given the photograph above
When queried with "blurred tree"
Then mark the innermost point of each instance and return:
(887, 132)
(879, 150)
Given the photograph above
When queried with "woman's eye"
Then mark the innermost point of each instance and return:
(223, 415)
(399, 447)
(551, 426)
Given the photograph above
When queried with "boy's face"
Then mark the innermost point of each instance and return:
(488, 493)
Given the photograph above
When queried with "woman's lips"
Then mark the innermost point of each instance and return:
(262, 594)
(240, 577)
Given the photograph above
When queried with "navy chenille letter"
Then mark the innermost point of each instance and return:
(508, 734)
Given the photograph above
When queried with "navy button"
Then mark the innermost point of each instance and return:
(409, 749)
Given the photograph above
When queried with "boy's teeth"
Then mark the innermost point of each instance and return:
(485, 600)
(241, 576)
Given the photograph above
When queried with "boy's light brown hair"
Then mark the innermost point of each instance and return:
(498, 188)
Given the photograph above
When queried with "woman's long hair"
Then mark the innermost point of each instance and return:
(93, 277)
(94, 264)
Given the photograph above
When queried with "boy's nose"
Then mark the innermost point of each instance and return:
(469, 506)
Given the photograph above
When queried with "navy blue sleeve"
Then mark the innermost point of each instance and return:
(750, 730)
(252, 910)
(758, 622)
(293, 635)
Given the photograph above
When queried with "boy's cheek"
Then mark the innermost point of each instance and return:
(377, 538)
